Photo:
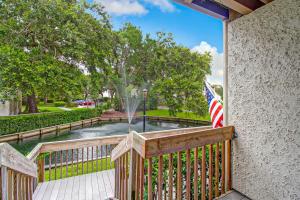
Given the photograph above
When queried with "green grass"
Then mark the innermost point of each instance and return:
(88, 167)
(49, 107)
(187, 115)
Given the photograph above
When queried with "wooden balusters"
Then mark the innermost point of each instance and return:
(137, 178)
(142, 166)
(179, 177)
(101, 160)
(97, 158)
(9, 183)
(87, 160)
(50, 167)
(160, 177)
(65, 163)
(217, 170)
(82, 159)
(196, 174)
(15, 185)
(55, 176)
(203, 174)
(67, 158)
(188, 174)
(77, 162)
(125, 172)
(121, 177)
(150, 195)
(61, 160)
(210, 173)
(173, 187)
(223, 169)
(117, 178)
(92, 159)
(170, 177)
(106, 153)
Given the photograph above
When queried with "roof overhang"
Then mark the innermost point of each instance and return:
(224, 9)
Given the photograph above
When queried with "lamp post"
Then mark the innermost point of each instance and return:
(145, 91)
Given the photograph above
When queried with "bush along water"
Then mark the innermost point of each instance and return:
(20, 123)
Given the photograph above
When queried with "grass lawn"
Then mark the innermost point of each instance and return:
(165, 113)
(51, 108)
(88, 167)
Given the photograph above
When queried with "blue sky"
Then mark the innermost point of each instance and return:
(190, 28)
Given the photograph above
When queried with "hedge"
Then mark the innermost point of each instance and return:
(20, 123)
(59, 103)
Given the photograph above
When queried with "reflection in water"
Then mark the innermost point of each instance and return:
(98, 130)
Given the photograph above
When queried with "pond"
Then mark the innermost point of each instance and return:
(103, 129)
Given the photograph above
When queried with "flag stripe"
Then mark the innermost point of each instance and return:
(212, 106)
(217, 111)
(215, 107)
(220, 114)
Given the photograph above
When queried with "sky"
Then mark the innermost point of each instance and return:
(190, 28)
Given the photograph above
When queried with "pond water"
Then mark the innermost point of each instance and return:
(104, 129)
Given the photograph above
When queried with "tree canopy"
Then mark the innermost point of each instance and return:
(68, 50)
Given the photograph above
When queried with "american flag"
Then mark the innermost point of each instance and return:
(215, 107)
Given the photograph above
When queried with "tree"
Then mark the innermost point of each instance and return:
(53, 36)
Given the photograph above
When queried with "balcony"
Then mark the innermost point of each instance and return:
(156, 165)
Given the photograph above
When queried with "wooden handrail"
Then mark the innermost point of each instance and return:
(174, 143)
(73, 144)
(14, 160)
(80, 143)
(137, 141)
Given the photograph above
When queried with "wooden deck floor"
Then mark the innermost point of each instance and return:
(99, 185)
(233, 195)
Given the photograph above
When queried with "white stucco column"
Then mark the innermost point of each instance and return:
(225, 74)
(225, 99)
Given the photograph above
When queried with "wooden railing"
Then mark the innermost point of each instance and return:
(18, 174)
(56, 160)
(182, 164)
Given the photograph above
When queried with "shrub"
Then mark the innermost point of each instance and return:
(50, 101)
(19, 123)
(59, 103)
(71, 105)
(106, 99)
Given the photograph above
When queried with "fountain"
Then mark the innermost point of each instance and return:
(130, 94)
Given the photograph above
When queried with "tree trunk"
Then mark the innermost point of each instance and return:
(45, 100)
(31, 102)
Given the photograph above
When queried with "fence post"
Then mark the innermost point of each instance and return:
(4, 183)
(41, 168)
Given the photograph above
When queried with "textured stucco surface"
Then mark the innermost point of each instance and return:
(264, 101)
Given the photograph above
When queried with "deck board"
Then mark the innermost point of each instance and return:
(55, 190)
(233, 195)
(84, 187)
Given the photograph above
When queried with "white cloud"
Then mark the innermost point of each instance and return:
(164, 5)
(123, 7)
(134, 7)
(216, 76)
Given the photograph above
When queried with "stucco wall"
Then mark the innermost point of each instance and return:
(264, 101)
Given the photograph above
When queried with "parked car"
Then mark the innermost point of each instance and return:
(84, 102)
